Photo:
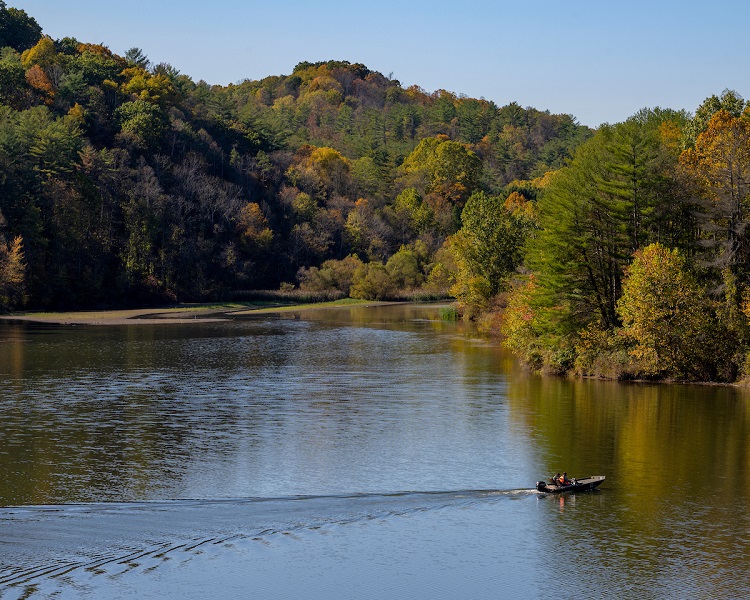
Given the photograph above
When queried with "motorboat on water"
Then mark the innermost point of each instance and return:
(584, 484)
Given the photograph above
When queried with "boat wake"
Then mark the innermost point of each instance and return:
(52, 545)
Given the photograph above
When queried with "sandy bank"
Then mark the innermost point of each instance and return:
(180, 314)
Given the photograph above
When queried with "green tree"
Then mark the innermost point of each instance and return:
(372, 281)
(333, 275)
(13, 88)
(729, 101)
(137, 58)
(595, 213)
(439, 165)
(17, 29)
(404, 269)
(144, 121)
(410, 216)
(487, 249)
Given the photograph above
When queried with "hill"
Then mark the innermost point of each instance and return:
(126, 182)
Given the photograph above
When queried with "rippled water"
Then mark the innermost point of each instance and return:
(353, 453)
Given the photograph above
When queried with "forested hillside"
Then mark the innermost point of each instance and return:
(126, 182)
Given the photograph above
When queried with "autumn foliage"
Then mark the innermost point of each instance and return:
(666, 316)
(641, 265)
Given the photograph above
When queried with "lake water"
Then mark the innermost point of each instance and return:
(353, 453)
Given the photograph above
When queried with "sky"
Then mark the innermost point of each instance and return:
(598, 60)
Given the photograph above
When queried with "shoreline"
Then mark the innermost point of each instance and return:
(191, 313)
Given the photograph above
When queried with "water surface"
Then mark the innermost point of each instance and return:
(355, 452)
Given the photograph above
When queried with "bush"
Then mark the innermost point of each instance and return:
(333, 275)
(372, 282)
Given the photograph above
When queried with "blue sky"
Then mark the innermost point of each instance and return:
(600, 61)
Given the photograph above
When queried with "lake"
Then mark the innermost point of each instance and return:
(353, 453)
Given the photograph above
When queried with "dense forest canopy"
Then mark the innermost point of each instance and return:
(621, 252)
(640, 266)
(126, 182)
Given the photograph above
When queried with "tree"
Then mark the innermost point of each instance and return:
(729, 101)
(12, 272)
(43, 54)
(667, 319)
(439, 165)
(157, 89)
(255, 234)
(333, 275)
(371, 281)
(487, 249)
(17, 29)
(404, 269)
(720, 164)
(410, 216)
(321, 172)
(518, 320)
(145, 121)
(137, 58)
(595, 213)
(13, 89)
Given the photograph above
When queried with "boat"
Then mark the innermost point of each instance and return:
(584, 484)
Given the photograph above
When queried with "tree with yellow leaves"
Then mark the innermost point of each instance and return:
(444, 167)
(668, 319)
(12, 272)
(720, 166)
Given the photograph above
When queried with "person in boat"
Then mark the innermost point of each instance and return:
(556, 479)
(563, 479)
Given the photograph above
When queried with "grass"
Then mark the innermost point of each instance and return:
(310, 305)
(448, 313)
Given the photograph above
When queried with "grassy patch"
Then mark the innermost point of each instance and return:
(308, 306)
(448, 313)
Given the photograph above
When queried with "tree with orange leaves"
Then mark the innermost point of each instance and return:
(719, 165)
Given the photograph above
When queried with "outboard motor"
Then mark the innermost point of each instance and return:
(541, 486)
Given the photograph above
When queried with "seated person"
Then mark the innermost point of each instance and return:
(563, 480)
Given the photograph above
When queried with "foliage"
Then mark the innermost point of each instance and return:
(332, 275)
(667, 318)
(144, 121)
(129, 182)
(595, 213)
(444, 167)
(126, 182)
(719, 166)
(488, 248)
(12, 273)
(729, 101)
(371, 281)
(17, 29)
(518, 323)
(405, 267)
(641, 257)
(603, 352)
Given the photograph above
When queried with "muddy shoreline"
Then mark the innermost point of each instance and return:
(176, 315)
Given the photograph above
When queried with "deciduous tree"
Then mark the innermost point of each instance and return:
(666, 316)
